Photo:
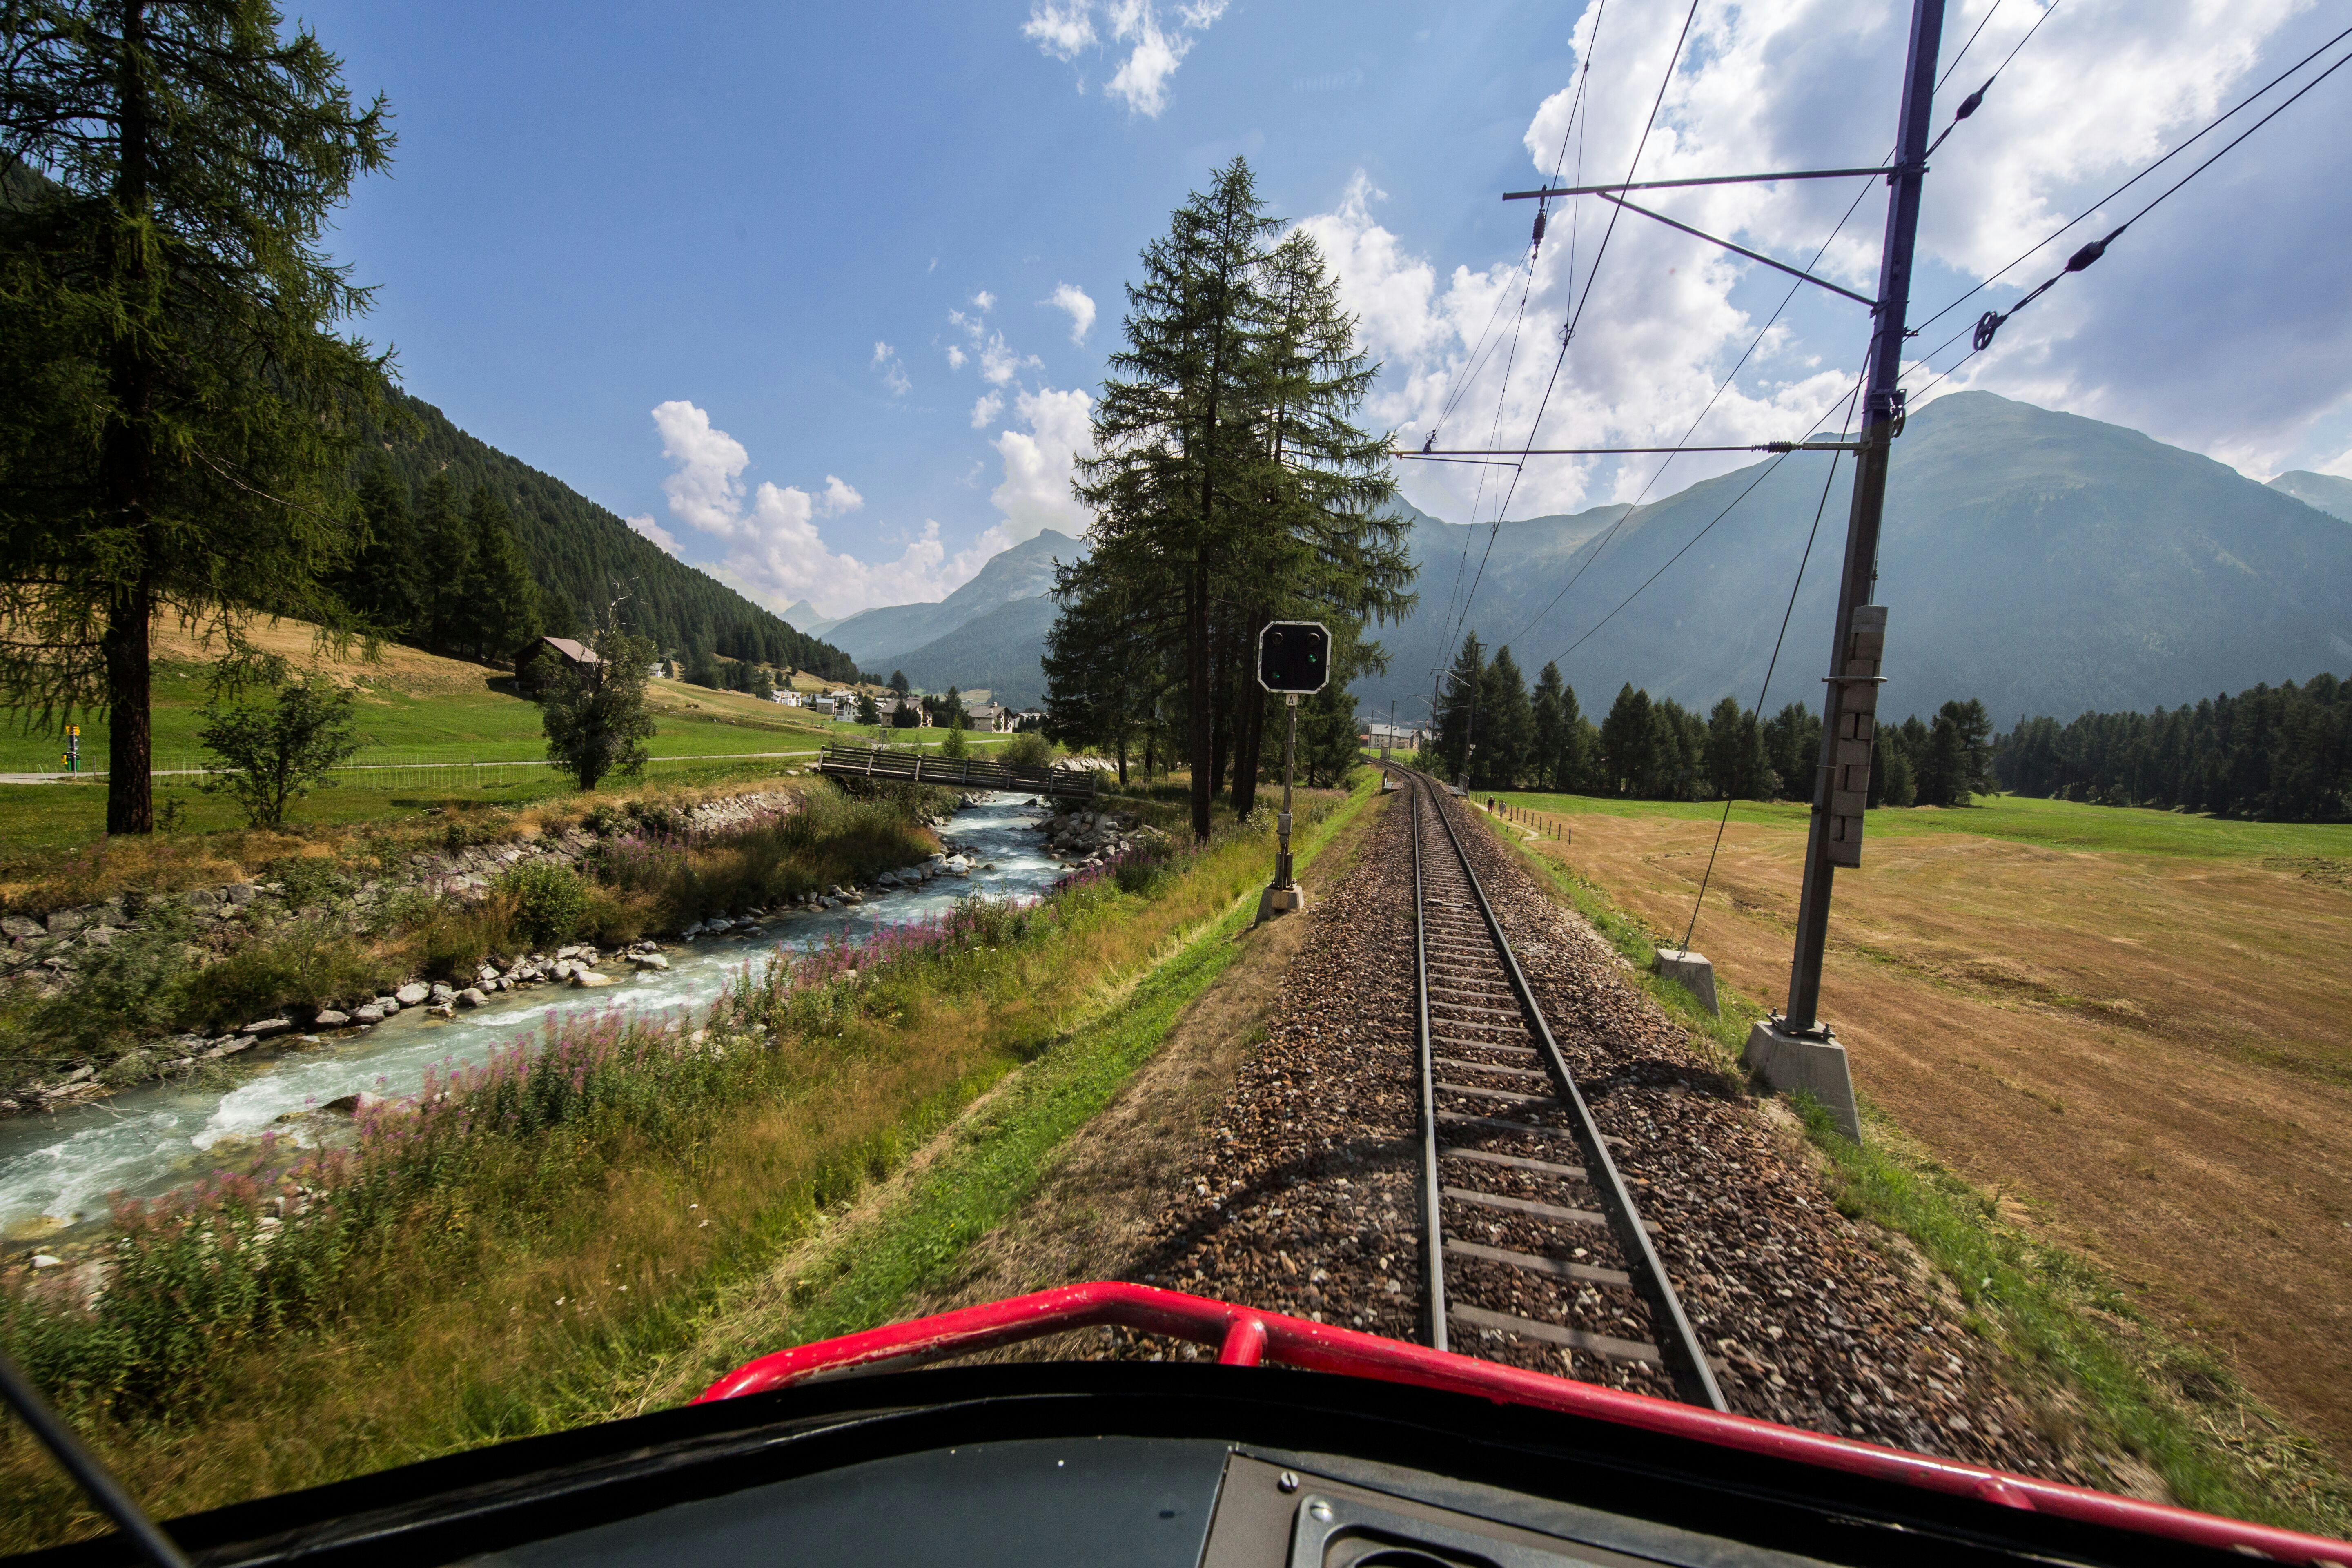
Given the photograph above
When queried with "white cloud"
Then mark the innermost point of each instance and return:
(776, 553)
(1062, 31)
(1065, 29)
(838, 498)
(1071, 298)
(983, 301)
(645, 525)
(893, 370)
(1040, 461)
(988, 405)
(999, 363)
(956, 357)
(1773, 84)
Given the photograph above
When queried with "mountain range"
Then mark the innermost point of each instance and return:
(2042, 561)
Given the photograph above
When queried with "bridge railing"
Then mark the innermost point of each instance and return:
(913, 767)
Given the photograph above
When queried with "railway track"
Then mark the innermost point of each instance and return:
(1530, 1229)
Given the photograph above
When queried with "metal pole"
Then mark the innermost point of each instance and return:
(1289, 759)
(1849, 712)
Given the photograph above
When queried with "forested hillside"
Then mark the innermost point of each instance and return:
(579, 554)
(2279, 752)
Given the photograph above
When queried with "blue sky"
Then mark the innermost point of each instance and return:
(659, 251)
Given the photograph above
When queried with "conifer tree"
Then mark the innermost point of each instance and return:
(1725, 748)
(449, 563)
(1507, 723)
(1231, 486)
(1549, 728)
(386, 582)
(501, 601)
(178, 412)
(1458, 709)
(1629, 744)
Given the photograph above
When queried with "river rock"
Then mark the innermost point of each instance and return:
(587, 979)
(410, 994)
(365, 1012)
(649, 961)
(352, 1104)
(46, 1261)
(442, 990)
(263, 1028)
(472, 997)
(329, 1018)
(442, 1010)
(17, 927)
(957, 866)
(65, 922)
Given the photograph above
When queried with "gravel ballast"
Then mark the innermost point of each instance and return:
(1306, 1200)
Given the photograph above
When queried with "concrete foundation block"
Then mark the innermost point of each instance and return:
(1815, 1063)
(1692, 971)
(1276, 901)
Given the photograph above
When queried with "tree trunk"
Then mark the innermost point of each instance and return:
(128, 460)
(1196, 679)
(129, 788)
(1122, 758)
(1249, 720)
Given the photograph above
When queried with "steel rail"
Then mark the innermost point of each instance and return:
(1679, 1347)
(1433, 1214)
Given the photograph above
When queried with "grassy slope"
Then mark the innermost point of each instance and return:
(2074, 1332)
(994, 1160)
(2055, 824)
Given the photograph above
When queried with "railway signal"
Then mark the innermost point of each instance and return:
(1294, 658)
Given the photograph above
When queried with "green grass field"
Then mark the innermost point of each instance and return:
(454, 726)
(2056, 824)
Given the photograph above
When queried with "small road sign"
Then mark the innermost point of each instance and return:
(1293, 656)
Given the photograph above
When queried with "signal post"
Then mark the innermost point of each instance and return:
(1294, 658)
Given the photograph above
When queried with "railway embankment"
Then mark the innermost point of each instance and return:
(1305, 1199)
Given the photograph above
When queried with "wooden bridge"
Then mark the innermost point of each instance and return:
(955, 773)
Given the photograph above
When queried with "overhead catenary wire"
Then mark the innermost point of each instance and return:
(1764, 473)
(2210, 126)
(1975, 101)
(1567, 333)
(1578, 114)
(1983, 330)
(1829, 481)
(1683, 447)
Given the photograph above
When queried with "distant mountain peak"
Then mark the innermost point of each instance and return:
(2330, 493)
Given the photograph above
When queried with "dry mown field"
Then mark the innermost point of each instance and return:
(2144, 1054)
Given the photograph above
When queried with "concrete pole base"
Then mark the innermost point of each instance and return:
(1815, 1063)
(1280, 901)
(1692, 971)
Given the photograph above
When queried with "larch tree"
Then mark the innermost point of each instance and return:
(500, 600)
(175, 439)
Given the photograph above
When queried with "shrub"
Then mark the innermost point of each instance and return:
(548, 903)
(1027, 749)
(613, 918)
(452, 944)
(1143, 867)
(298, 972)
(121, 994)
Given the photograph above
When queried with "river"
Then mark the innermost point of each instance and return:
(57, 1169)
